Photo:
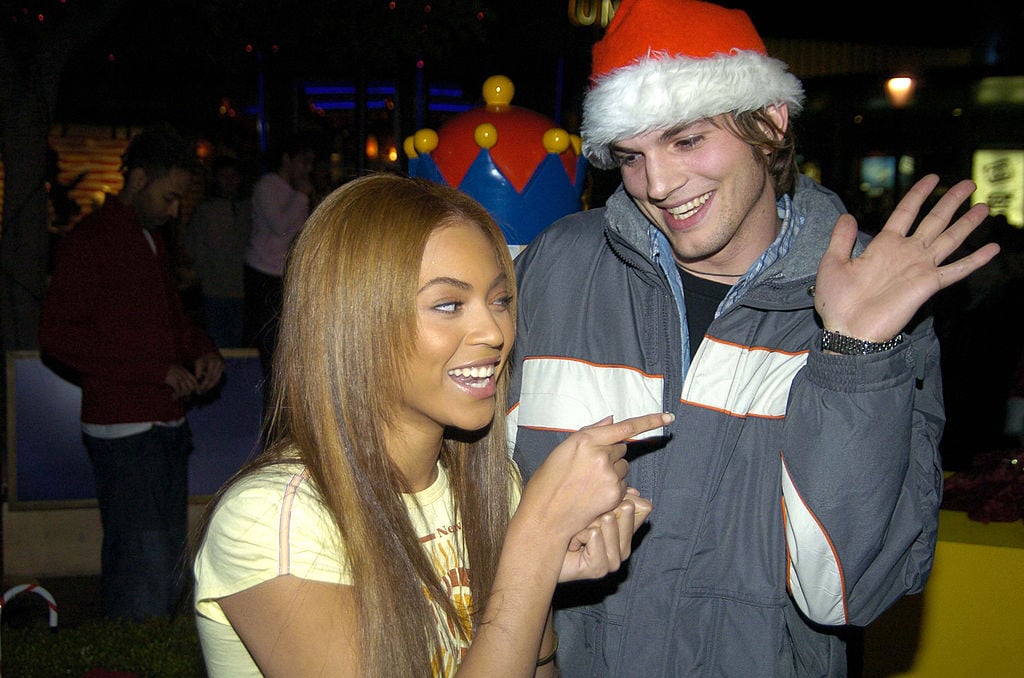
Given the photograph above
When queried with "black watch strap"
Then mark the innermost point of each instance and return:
(840, 343)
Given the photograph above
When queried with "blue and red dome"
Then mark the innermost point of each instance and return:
(526, 171)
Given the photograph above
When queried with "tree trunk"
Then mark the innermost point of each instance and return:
(29, 80)
(25, 238)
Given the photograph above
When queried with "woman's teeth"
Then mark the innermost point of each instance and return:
(478, 375)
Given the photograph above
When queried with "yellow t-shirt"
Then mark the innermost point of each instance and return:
(272, 523)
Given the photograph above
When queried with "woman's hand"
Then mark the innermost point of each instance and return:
(584, 477)
(604, 545)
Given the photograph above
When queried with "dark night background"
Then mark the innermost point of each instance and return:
(178, 58)
(116, 65)
(181, 60)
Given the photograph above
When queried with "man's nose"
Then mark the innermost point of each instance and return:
(662, 178)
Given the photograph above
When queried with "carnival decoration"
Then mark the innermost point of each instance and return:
(516, 162)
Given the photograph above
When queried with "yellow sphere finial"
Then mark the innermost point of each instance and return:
(409, 146)
(498, 91)
(577, 143)
(556, 140)
(425, 140)
(485, 135)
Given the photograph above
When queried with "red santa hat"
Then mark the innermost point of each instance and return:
(662, 63)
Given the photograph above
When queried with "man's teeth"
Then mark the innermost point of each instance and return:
(686, 210)
(473, 372)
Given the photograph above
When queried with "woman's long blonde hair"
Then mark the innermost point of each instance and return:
(347, 328)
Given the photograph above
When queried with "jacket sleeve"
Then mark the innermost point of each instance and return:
(519, 350)
(862, 479)
(530, 448)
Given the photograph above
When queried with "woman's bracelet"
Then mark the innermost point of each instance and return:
(550, 657)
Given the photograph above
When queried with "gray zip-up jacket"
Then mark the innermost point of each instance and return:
(796, 492)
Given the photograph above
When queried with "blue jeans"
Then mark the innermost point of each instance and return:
(142, 489)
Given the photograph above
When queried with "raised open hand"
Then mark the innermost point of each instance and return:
(874, 295)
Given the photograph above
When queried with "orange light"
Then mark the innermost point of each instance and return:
(900, 91)
(372, 148)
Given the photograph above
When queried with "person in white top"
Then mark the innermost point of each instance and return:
(384, 531)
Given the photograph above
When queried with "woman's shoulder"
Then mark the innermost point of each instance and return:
(267, 492)
(270, 477)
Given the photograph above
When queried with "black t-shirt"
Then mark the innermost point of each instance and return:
(702, 300)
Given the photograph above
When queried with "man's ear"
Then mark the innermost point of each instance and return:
(778, 114)
(136, 180)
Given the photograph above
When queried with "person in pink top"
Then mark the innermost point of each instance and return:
(280, 204)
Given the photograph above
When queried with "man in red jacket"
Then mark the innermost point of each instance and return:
(112, 314)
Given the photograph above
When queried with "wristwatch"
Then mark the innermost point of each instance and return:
(840, 343)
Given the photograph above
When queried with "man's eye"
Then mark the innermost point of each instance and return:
(688, 142)
(627, 159)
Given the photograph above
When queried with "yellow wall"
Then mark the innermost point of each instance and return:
(968, 620)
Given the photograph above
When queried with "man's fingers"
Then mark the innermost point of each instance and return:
(950, 239)
(844, 235)
(938, 218)
(905, 214)
(961, 268)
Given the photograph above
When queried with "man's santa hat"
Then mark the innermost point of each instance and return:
(664, 63)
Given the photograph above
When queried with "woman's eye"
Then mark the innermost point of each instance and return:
(504, 301)
(448, 307)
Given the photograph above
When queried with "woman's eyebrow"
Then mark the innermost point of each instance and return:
(461, 284)
(446, 280)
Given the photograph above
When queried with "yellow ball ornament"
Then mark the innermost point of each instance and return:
(409, 146)
(425, 140)
(498, 91)
(556, 140)
(577, 143)
(485, 135)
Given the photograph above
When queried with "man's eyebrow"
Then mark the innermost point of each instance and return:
(617, 147)
(673, 131)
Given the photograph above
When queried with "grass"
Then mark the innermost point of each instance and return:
(155, 648)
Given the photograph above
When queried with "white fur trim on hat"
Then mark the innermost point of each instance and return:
(661, 92)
